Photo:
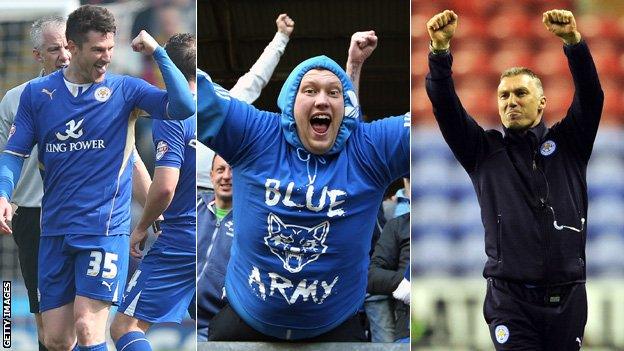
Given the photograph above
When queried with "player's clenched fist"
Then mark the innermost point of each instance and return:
(441, 28)
(144, 43)
(562, 24)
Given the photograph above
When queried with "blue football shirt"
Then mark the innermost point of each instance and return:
(175, 147)
(304, 222)
(84, 143)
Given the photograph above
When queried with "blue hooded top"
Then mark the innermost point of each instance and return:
(303, 222)
(286, 102)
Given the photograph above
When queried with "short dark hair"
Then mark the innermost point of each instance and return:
(516, 71)
(89, 18)
(182, 49)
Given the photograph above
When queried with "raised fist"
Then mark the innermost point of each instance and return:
(144, 43)
(441, 28)
(362, 46)
(285, 24)
(562, 24)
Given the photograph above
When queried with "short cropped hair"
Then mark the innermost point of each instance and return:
(182, 49)
(40, 25)
(89, 18)
(516, 71)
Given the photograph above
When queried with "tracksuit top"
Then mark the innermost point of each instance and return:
(531, 186)
(214, 241)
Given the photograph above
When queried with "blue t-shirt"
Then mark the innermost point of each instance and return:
(85, 144)
(209, 111)
(175, 147)
(299, 260)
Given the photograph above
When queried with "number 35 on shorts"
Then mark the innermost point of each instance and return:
(109, 269)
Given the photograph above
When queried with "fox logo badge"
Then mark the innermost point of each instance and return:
(295, 245)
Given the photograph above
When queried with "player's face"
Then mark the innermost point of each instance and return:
(53, 52)
(221, 176)
(319, 109)
(520, 102)
(93, 57)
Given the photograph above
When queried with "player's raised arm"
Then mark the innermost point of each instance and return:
(583, 117)
(361, 47)
(460, 131)
(181, 103)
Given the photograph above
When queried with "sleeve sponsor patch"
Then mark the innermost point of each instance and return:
(161, 149)
(11, 131)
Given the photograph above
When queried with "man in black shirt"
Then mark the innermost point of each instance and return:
(531, 186)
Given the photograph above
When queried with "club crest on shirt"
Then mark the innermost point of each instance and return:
(548, 147)
(102, 94)
(501, 333)
(161, 149)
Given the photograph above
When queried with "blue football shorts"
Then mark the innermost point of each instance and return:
(93, 266)
(162, 287)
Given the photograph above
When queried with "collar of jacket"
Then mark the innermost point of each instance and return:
(535, 134)
(209, 200)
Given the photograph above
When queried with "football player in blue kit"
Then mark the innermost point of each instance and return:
(162, 287)
(82, 120)
(309, 182)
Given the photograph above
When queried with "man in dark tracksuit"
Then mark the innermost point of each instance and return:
(215, 230)
(387, 270)
(531, 186)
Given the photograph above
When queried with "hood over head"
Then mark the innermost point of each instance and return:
(286, 102)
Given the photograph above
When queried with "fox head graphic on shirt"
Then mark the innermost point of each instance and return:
(296, 246)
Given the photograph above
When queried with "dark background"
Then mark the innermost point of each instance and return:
(232, 35)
